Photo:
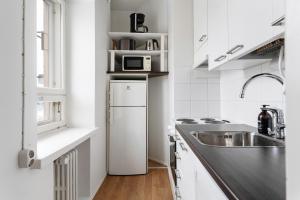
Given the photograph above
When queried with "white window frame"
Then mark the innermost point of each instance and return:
(52, 94)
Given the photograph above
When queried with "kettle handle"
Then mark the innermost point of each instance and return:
(156, 42)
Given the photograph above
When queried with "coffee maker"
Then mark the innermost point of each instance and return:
(137, 23)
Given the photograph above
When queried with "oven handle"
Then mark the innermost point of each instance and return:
(177, 138)
(177, 173)
(177, 194)
(183, 147)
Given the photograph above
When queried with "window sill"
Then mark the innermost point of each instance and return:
(52, 146)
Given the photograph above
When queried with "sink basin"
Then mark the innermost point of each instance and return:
(235, 139)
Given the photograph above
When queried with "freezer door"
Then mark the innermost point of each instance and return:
(128, 141)
(128, 93)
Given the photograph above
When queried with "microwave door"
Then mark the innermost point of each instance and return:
(133, 63)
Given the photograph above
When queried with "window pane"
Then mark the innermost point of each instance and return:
(42, 44)
(49, 45)
(43, 112)
(48, 112)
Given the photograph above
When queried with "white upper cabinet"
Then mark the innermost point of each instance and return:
(278, 12)
(236, 28)
(249, 25)
(200, 23)
(200, 31)
(218, 32)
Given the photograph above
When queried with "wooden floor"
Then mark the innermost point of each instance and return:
(154, 164)
(153, 186)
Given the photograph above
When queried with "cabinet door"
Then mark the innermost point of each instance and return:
(218, 32)
(278, 10)
(207, 188)
(249, 25)
(200, 23)
(186, 170)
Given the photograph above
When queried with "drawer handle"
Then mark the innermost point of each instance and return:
(220, 58)
(177, 193)
(177, 173)
(182, 146)
(235, 49)
(177, 138)
(202, 38)
(177, 156)
(279, 21)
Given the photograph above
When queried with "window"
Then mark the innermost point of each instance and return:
(50, 70)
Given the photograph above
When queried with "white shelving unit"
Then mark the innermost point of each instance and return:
(140, 39)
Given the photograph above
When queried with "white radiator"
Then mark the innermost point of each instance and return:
(66, 176)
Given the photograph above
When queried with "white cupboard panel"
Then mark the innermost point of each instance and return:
(128, 140)
(218, 32)
(249, 25)
(128, 93)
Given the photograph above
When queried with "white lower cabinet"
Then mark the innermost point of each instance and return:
(193, 180)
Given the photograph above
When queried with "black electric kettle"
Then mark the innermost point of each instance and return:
(152, 45)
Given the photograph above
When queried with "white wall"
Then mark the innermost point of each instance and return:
(260, 91)
(29, 184)
(293, 99)
(88, 24)
(120, 20)
(197, 93)
(98, 145)
(156, 17)
(16, 183)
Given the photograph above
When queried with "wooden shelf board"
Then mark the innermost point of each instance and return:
(138, 52)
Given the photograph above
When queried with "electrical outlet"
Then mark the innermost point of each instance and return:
(26, 158)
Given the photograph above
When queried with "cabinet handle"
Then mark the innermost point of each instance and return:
(183, 147)
(235, 49)
(177, 138)
(177, 156)
(279, 21)
(177, 173)
(202, 38)
(220, 58)
(177, 194)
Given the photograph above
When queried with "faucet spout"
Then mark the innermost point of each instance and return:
(268, 75)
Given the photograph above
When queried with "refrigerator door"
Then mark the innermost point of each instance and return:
(128, 93)
(128, 141)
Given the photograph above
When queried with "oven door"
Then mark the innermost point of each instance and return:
(133, 63)
(173, 158)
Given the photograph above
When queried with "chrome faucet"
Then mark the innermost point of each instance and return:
(278, 116)
(278, 78)
(278, 122)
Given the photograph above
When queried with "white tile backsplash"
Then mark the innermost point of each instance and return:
(197, 93)
(182, 92)
(199, 109)
(260, 91)
(213, 91)
(214, 108)
(182, 109)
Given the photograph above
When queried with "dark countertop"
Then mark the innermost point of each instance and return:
(242, 173)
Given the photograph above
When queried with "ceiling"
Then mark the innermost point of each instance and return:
(126, 4)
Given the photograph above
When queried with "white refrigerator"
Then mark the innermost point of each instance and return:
(127, 127)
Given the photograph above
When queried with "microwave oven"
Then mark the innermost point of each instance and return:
(136, 63)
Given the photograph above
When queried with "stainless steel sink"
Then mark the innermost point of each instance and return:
(235, 139)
